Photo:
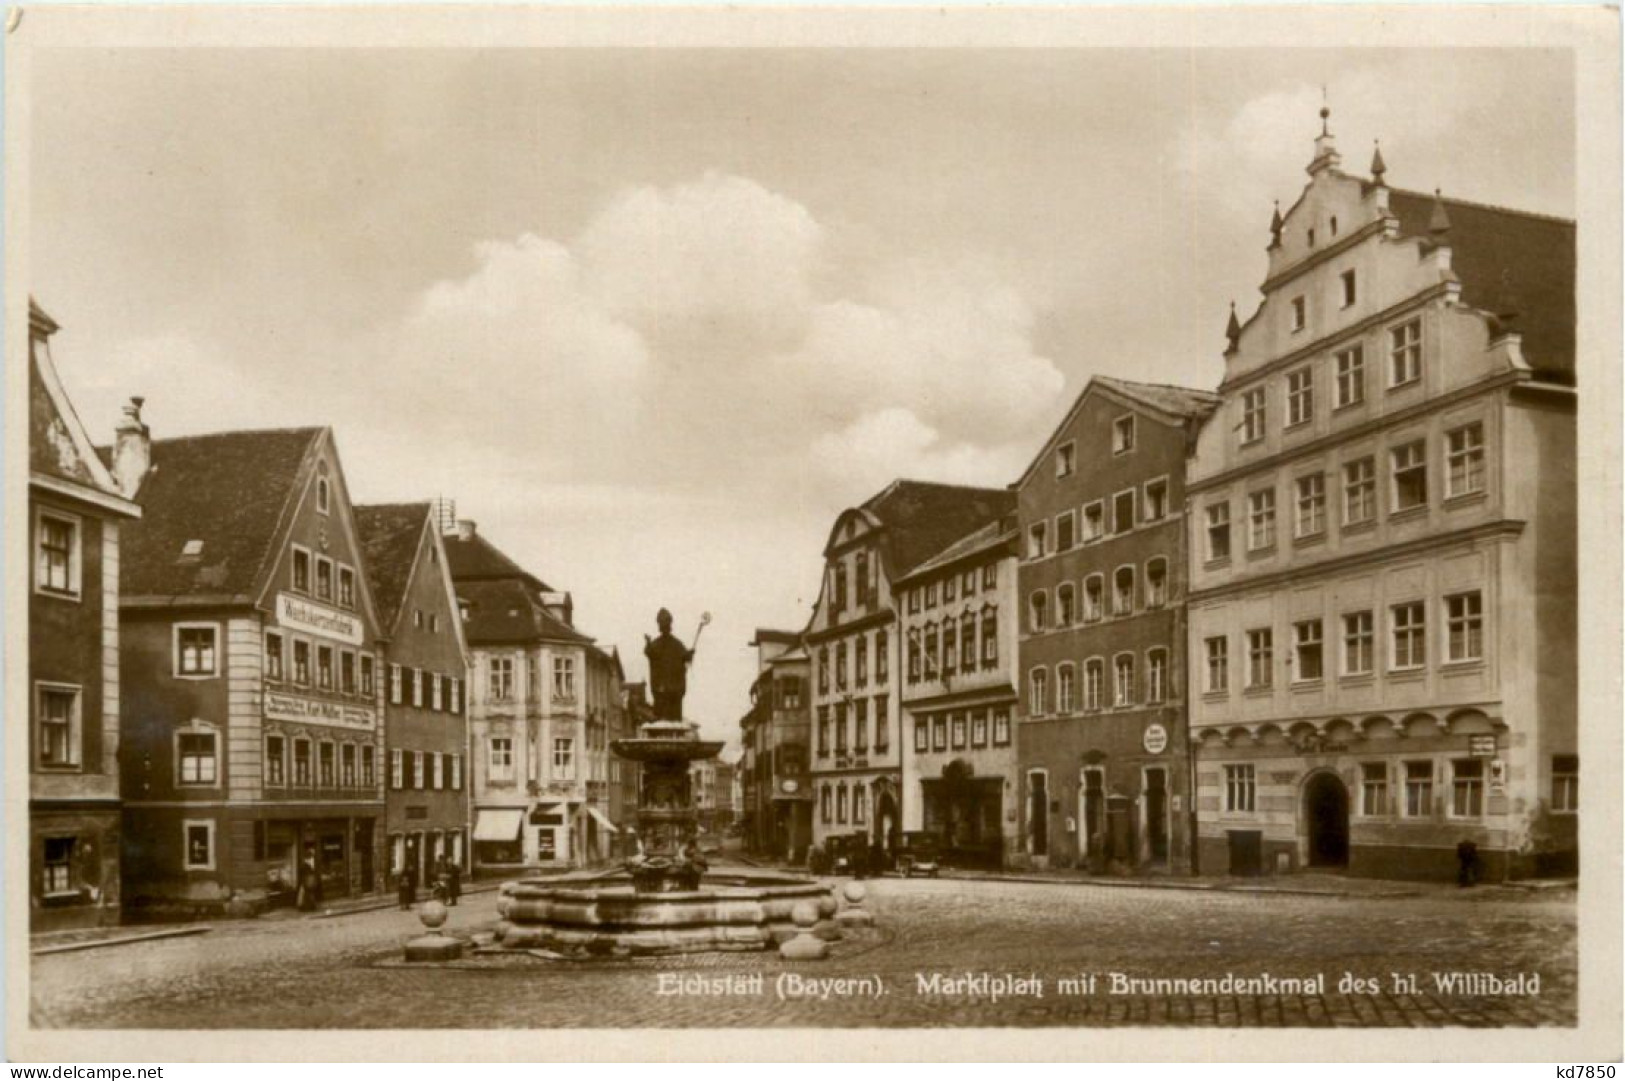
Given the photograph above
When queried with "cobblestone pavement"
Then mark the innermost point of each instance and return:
(346, 972)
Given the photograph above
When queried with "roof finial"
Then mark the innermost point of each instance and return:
(1276, 225)
(1233, 329)
(1378, 166)
(1439, 221)
(1325, 111)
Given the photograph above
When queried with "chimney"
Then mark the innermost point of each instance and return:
(465, 529)
(132, 449)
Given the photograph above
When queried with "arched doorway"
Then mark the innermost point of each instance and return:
(1326, 813)
(886, 820)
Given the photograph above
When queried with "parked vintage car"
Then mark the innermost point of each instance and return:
(920, 855)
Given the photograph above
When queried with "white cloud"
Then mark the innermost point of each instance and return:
(889, 443)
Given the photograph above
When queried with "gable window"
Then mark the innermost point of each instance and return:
(1156, 675)
(195, 758)
(301, 763)
(1311, 518)
(346, 587)
(301, 570)
(1464, 627)
(1300, 310)
(1218, 532)
(1094, 592)
(840, 586)
(1409, 623)
(1350, 376)
(301, 662)
(1253, 415)
(1065, 533)
(1300, 397)
(324, 668)
(1123, 688)
(1348, 287)
(1359, 491)
(1359, 643)
(862, 576)
(1565, 783)
(1218, 664)
(1307, 651)
(195, 654)
(1035, 550)
(1156, 500)
(501, 680)
(1066, 459)
(324, 578)
(323, 494)
(1410, 473)
(1260, 657)
(1405, 353)
(1123, 434)
(1240, 788)
(56, 554)
(273, 655)
(1464, 460)
(1094, 682)
(1261, 519)
(56, 713)
(1156, 583)
(1373, 788)
(1123, 591)
(1038, 692)
(275, 766)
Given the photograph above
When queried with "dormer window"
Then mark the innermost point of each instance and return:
(192, 549)
(1299, 313)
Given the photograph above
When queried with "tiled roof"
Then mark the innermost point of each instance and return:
(1509, 258)
(980, 539)
(475, 558)
(390, 535)
(1180, 401)
(922, 518)
(227, 490)
(506, 612)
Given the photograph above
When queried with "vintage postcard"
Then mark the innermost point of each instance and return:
(816, 524)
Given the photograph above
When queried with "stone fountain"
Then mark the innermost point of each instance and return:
(665, 899)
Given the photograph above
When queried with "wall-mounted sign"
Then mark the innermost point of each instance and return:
(1481, 746)
(292, 707)
(790, 785)
(1498, 773)
(299, 614)
(1156, 739)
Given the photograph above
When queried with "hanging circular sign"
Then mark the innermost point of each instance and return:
(789, 785)
(1156, 739)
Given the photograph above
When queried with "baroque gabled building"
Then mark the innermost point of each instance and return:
(1382, 528)
(853, 642)
(76, 510)
(1105, 775)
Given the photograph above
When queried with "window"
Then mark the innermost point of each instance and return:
(860, 726)
(839, 572)
(1094, 591)
(939, 732)
(437, 770)
(1299, 308)
(861, 646)
(1123, 511)
(1035, 550)
(324, 578)
(824, 803)
(1311, 518)
(1253, 415)
(56, 556)
(967, 642)
(1464, 627)
(1410, 475)
(956, 725)
(1261, 519)
(1066, 459)
(978, 728)
(564, 677)
(369, 685)
(501, 679)
(273, 656)
(456, 772)
(968, 585)
(1001, 728)
(913, 601)
(1349, 290)
(301, 762)
(275, 763)
(366, 766)
(862, 575)
(922, 735)
(1094, 521)
(1094, 683)
(301, 570)
(1373, 788)
(1240, 788)
(1418, 789)
(1405, 353)
(434, 623)
(990, 638)
(324, 667)
(990, 576)
(1307, 650)
(1156, 676)
(417, 618)
(1359, 642)
(860, 811)
(347, 672)
(914, 658)
(1409, 622)
(199, 841)
(1156, 583)
(1066, 690)
(1038, 692)
(1359, 491)
(1066, 605)
(882, 657)
(1123, 591)
(195, 650)
(501, 758)
(1464, 460)
(932, 670)
(1260, 657)
(346, 587)
(840, 666)
(1300, 397)
(840, 803)
(823, 731)
(1466, 787)
(347, 765)
(325, 764)
(823, 670)
(1123, 434)
(1065, 533)
(1565, 783)
(931, 589)
(1156, 500)
(1350, 376)
(1218, 664)
(1218, 531)
(1123, 679)
(59, 862)
(322, 494)
(840, 727)
(195, 758)
(301, 662)
(57, 713)
(1037, 611)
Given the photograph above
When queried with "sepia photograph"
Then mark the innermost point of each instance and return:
(811, 523)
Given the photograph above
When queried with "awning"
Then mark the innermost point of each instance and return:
(602, 820)
(498, 825)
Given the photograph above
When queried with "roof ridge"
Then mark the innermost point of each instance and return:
(306, 429)
(1495, 207)
(1119, 380)
(942, 484)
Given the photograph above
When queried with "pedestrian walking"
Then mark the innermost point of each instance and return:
(404, 891)
(454, 881)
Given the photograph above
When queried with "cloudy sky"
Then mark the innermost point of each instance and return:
(653, 317)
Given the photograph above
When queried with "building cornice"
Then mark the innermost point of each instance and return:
(883, 618)
(1509, 527)
(1372, 228)
(85, 493)
(970, 697)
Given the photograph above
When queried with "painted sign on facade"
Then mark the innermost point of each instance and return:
(289, 707)
(299, 614)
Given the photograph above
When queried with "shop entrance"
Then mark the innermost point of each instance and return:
(1156, 813)
(1326, 811)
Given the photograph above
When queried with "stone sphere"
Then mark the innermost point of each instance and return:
(433, 914)
(855, 892)
(805, 914)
